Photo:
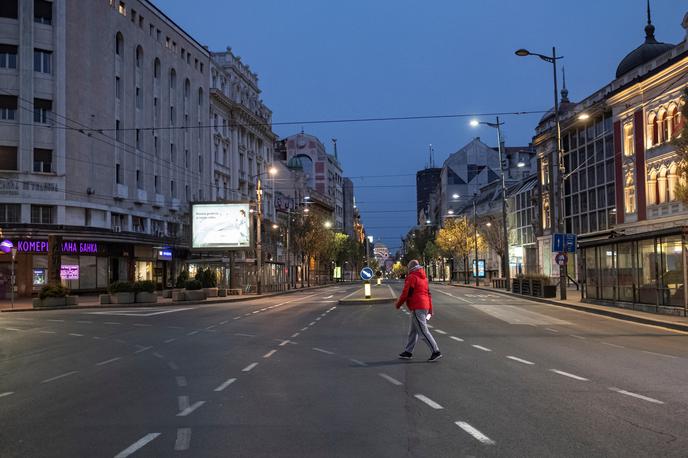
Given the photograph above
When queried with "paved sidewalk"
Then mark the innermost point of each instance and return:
(24, 304)
(573, 301)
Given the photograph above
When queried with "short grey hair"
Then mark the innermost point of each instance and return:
(413, 264)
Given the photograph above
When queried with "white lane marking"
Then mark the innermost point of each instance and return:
(190, 409)
(612, 345)
(360, 363)
(108, 361)
(428, 401)
(659, 354)
(455, 297)
(303, 329)
(458, 339)
(391, 380)
(13, 329)
(192, 333)
(474, 432)
(249, 367)
(244, 335)
(137, 445)
(57, 321)
(66, 374)
(173, 365)
(269, 354)
(183, 439)
(170, 340)
(578, 337)
(323, 351)
(142, 349)
(551, 330)
(263, 309)
(223, 322)
(47, 332)
(7, 393)
(439, 331)
(141, 325)
(183, 403)
(330, 296)
(256, 311)
(225, 384)
(430, 326)
(636, 395)
(84, 322)
(96, 338)
(480, 347)
(175, 327)
(181, 381)
(111, 322)
(237, 317)
(318, 319)
(567, 374)
(296, 334)
(74, 334)
(284, 342)
(312, 323)
(524, 361)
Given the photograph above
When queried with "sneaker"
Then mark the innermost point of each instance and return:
(435, 356)
(405, 355)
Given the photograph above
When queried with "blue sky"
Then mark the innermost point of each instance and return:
(324, 59)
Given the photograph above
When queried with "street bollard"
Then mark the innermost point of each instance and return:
(366, 289)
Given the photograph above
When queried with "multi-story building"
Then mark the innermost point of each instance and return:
(521, 222)
(348, 205)
(427, 181)
(101, 143)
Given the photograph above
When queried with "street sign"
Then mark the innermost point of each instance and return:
(562, 259)
(367, 273)
(564, 243)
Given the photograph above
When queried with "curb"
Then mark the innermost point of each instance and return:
(582, 308)
(164, 304)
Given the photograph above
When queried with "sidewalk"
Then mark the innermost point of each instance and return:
(92, 302)
(573, 301)
(380, 294)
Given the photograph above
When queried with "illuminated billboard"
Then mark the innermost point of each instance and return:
(220, 226)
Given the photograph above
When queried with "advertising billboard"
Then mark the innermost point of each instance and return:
(220, 226)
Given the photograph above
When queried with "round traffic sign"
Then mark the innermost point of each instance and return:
(561, 259)
(366, 273)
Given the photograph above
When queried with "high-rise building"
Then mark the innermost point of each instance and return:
(427, 181)
(349, 205)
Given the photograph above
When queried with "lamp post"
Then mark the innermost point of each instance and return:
(259, 244)
(563, 273)
(475, 239)
(505, 234)
(13, 278)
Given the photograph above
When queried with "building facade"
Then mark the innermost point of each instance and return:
(427, 181)
(103, 105)
(348, 206)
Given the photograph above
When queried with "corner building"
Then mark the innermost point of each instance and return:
(102, 143)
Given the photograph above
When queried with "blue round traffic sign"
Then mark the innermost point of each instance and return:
(366, 273)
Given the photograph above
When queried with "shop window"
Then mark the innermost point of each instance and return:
(608, 271)
(9, 9)
(591, 274)
(647, 272)
(10, 213)
(626, 271)
(629, 148)
(42, 12)
(671, 271)
(42, 160)
(8, 56)
(8, 158)
(41, 214)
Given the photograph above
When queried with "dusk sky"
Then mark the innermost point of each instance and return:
(327, 60)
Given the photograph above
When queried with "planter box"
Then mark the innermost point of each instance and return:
(178, 296)
(195, 295)
(145, 297)
(104, 299)
(221, 292)
(52, 302)
(167, 293)
(72, 300)
(210, 292)
(123, 298)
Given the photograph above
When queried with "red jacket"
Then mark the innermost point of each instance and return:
(416, 292)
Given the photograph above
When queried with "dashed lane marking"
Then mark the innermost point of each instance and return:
(612, 345)
(636, 395)
(428, 401)
(113, 323)
(304, 329)
(13, 329)
(284, 342)
(578, 337)
(474, 432)
(269, 354)
(142, 325)
(323, 351)
(74, 334)
(439, 331)
(108, 361)
(249, 367)
(237, 317)
(659, 354)
(296, 334)
(84, 322)
(224, 322)
(190, 409)
(192, 333)
(170, 340)
(66, 374)
(7, 393)
(330, 296)
(57, 321)
(458, 339)
(551, 330)
(391, 380)
(567, 374)
(480, 347)
(244, 335)
(47, 332)
(225, 384)
(173, 365)
(158, 355)
(137, 445)
(312, 323)
(524, 361)
(142, 349)
(183, 439)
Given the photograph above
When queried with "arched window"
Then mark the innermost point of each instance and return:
(673, 120)
(663, 126)
(652, 130)
(139, 56)
(119, 44)
(629, 194)
(652, 188)
(662, 185)
(672, 181)
(156, 68)
(200, 97)
(187, 88)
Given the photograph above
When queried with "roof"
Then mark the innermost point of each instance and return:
(644, 53)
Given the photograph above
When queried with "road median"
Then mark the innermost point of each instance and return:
(380, 294)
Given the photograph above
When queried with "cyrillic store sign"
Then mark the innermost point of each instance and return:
(68, 247)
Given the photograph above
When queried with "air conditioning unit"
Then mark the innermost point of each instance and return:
(116, 228)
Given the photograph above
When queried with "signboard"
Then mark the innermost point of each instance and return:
(164, 254)
(220, 226)
(338, 273)
(366, 273)
(561, 259)
(69, 272)
(42, 246)
(40, 277)
(564, 243)
(481, 268)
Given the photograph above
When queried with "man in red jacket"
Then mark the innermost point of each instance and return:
(417, 296)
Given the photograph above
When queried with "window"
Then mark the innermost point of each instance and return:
(672, 181)
(42, 12)
(156, 68)
(173, 153)
(118, 88)
(138, 179)
(41, 214)
(172, 116)
(8, 107)
(42, 160)
(118, 173)
(118, 130)
(139, 98)
(173, 190)
(156, 146)
(663, 125)
(157, 184)
(672, 122)
(41, 110)
(139, 56)
(629, 149)
(42, 60)
(133, 15)
(122, 8)
(8, 56)
(653, 130)
(10, 213)
(138, 139)
(8, 158)
(629, 194)
(200, 163)
(119, 44)
(141, 21)
(9, 9)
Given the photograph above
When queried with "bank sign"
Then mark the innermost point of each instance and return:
(42, 246)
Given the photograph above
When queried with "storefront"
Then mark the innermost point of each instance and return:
(644, 272)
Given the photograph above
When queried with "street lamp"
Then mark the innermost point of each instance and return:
(13, 279)
(272, 171)
(560, 155)
(505, 258)
(455, 196)
(328, 224)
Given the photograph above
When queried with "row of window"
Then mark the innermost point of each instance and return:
(42, 159)
(40, 214)
(42, 59)
(42, 109)
(42, 10)
(664, 124)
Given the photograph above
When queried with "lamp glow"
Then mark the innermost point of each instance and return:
(583, 116)
(474, 123)
(455, 196)
(450, 211)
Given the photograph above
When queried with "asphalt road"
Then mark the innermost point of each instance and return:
(299, 375)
